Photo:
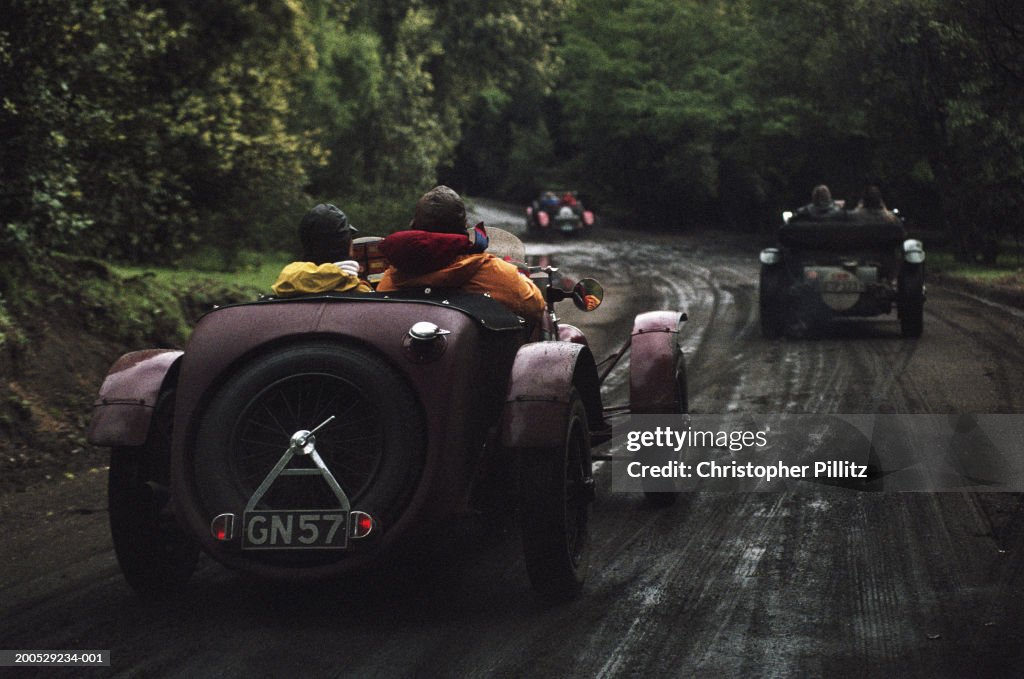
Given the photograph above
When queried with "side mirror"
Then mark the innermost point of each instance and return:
(587, 294)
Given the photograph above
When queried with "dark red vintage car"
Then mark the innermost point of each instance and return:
(560, 212)
(309, 437)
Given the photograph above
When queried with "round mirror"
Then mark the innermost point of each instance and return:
(587, 294)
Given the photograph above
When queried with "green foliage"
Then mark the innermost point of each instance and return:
(12, 338)
(403, 82)
(152, 131)
(137, 130)
(145, 307)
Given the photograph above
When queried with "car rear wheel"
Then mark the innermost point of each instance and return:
(557, 489)
(156, 556)
(910, 307)
(374, 447)
(666, 498)
(772, 292)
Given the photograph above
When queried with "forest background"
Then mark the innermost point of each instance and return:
(154, 131)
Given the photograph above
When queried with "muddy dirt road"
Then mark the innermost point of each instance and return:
(817, 583)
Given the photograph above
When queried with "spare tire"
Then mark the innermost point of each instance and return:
(375, 446)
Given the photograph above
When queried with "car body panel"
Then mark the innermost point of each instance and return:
(124, 406)
(448, 387)
(654, 348)
(543, 375)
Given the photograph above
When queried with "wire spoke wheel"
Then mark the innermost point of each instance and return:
(352, 446)
(374, 447)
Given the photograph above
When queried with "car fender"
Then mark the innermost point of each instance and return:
(570, 333)
(654, 349)
(537, 402)
(124, 406)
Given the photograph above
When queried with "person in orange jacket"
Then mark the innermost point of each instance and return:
(436, 251)
(326, 237)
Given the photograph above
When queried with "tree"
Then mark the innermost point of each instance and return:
(141, 130)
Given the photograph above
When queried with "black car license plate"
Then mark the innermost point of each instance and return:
(295, 529)
(848, 286)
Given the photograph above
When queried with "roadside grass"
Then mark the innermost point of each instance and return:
(1007, 272)
(257, 271)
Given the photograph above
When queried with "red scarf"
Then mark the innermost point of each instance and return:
(418, 252)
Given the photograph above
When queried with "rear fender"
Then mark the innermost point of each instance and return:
(654, 350)
(537, 403)
(123, 409)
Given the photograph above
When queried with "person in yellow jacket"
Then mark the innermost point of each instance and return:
(326, 237)
(436, 251)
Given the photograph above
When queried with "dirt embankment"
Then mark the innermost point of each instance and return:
(58, 336)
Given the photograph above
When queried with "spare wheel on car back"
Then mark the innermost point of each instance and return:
(374, 446)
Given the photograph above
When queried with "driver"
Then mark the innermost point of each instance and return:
(436, 251)
(872, 208)
(821, 206)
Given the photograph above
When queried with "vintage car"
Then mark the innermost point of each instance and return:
(558, 212)
(312, 436)
(846, 266)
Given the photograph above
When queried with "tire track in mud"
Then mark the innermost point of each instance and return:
(872, 371)
(676, 577)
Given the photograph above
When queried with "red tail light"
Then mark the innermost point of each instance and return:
(223, 527)
(360, 524)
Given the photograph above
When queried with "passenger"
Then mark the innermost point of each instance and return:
(872, 208)
(821, 206)
(326, 238)
(437, 251)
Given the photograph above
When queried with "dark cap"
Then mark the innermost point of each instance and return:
(440, 210)
(324, 220)
(325, 233)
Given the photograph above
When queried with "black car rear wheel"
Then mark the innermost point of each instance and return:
(772, 293)
(910, 303)
(557, 488)
(156, 556)
(374, 447)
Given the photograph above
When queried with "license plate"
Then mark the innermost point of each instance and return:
(568, 227)
(841, 286)
(296, 529)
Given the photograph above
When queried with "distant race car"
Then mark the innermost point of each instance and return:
(852, 264)
(558, 212)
